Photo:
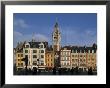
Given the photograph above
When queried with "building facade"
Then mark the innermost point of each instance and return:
(18, 53)
(65, 57)
(83, 57)
(36, 54)
(49, 59)
(41, 56)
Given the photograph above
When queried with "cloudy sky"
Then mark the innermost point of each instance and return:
(76, 28)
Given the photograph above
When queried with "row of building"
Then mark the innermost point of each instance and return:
(42, 56)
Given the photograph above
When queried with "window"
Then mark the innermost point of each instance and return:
(42, 63)
(27, 46)
(88, 59)
(72, 55)
(67, 63)
(18, 64)
(80, 55)
(41, 46)
(34, 51)
(90, 51)
(76, 60)
(18, 55)
(18, 59)
(21, 64)
(92, 59)
(65, 58)
(42, 51)
(42, 56)
(51, 64)
(64, 63)
(21, 55)
(26, 51)
(34, 62)
(34, 56)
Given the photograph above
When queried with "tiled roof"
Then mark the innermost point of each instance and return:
(36, 44)
(79, 48)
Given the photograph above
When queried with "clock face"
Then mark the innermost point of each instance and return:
(55, 37)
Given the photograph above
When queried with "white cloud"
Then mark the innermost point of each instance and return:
(16, 33)
(19, 37)
(90, 32)
(76, 36)
(40, 37)
(20, 23)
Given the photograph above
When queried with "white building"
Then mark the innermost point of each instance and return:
(65, 57)
(36, 54)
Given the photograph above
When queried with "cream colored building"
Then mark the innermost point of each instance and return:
(18, 55)
(83, 57)
(65, 57)
(92, 59)
(36, 54)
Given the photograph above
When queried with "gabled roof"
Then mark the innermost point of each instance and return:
(36, 44)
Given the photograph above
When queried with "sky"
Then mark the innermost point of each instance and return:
(76, 28)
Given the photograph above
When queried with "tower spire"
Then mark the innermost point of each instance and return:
(56, 24)
(56, 20)
(56, 36)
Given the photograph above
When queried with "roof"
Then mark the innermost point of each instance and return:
(56, 24)
(36, 44)
(79, 48)
(20, 51)
(19, 47)
(67, 47)
(49, 48)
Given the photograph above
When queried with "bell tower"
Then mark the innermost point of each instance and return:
(56, 38)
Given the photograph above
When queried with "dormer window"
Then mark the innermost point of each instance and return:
(27, 46)
(41, 45)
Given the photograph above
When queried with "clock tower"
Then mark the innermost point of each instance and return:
(56, 38)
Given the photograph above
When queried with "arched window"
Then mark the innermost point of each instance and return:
(42, 51)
